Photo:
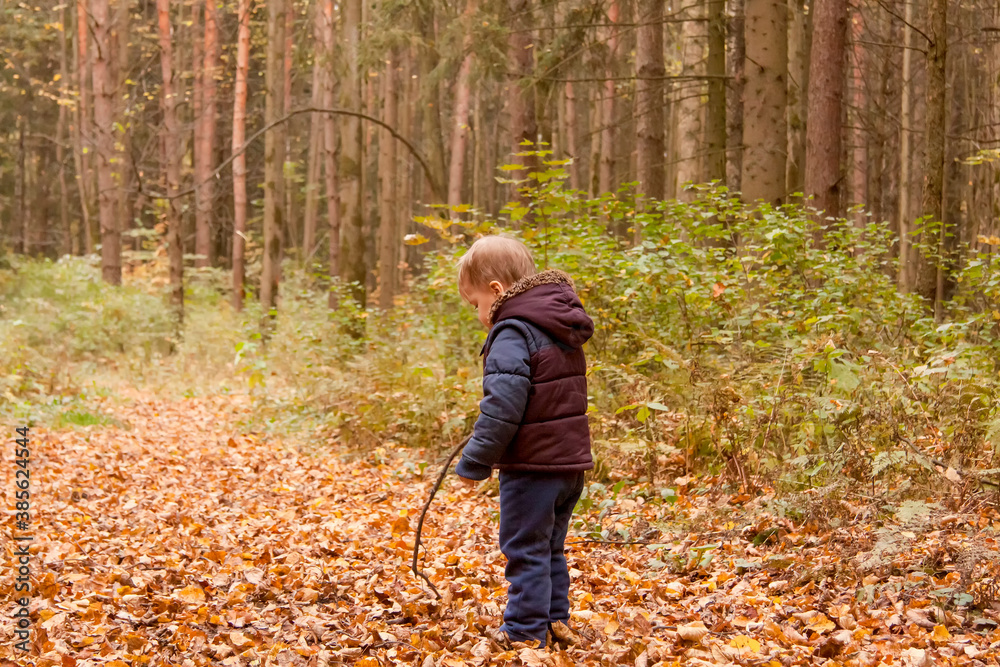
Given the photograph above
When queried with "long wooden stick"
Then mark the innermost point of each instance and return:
(420, 524)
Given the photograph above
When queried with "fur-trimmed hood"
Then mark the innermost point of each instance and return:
(547, 300)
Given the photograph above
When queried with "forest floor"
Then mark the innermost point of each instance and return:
(172, 535)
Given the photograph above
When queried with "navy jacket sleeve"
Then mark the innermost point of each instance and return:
(506, 381)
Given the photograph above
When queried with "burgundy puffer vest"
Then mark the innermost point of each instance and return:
(554, 434)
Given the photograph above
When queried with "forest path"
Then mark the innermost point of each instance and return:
(173, 538)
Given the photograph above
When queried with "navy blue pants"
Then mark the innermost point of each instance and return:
(535, 510)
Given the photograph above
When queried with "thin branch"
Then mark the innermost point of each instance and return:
(905, 22)
(420, 524)
(284, 119)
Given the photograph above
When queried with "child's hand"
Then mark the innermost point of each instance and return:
(468, 482)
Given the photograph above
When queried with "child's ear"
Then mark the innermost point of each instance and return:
(497, 287)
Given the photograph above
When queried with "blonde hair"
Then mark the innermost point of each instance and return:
(492, 258)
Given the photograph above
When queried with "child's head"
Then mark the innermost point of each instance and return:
(488, 268)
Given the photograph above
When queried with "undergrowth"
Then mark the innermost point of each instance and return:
(731, 345)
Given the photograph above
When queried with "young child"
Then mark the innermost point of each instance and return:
(532, 425)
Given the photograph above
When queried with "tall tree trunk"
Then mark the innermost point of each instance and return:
(826, 98)
(316, 142)
(85, 147)
(928, 280)
(352, 258)
(430, 101)
(204, 155)
(123, 153)
(607, 153)
(905, 279)
(715, 112)
(172, 149)
(521, 91)
(274, 158)
(460, 123)
(858, 119)
(572, 140)
(798, 82)
(330, 150)
(291, 232)
(596, 122)
(650, 72)
(65, 227)
(688, 101)
(111, 256)
(736, 68)
(766, 93)
(193, 223)
(388, 253)
(21, 222)
(240, 161)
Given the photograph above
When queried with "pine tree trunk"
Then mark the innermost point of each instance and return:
(607, 153)
(905, 279)
(857, 119)
(688, 102)
(460, 122)
(330, 150)
(521, 92)
(22, 223)
(798, 81)
(736, 70)
(715, 112)
(123, 169)
(291, 237)
(765, 95)
(240, 161)
(650, 71)
(572, 141)
(430, 101)
(931, 202)
(352, 259)
(388, 253)
(274, 158)
(459, 134)
(826, 98)
(85, 147)
(204, 154)
(316, 143)
(111, 262)
(596, 121)
(65, 227)
(172, 147)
